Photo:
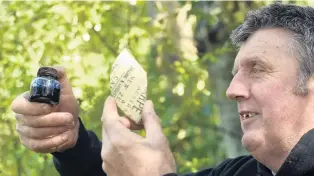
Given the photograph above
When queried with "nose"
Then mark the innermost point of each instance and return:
(238, 89)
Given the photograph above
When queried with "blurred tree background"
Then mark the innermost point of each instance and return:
(183, 45)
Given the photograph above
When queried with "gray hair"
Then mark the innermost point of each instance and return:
(297, 19)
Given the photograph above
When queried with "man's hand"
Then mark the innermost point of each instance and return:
(125, 153)
(44, 128)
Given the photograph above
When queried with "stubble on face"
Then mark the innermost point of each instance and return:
(271, 89)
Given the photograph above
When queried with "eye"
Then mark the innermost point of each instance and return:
(257, 69)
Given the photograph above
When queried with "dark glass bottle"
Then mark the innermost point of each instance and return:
(45, 88)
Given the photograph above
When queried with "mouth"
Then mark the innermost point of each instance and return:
(247, 115)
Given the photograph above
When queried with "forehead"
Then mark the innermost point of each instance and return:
(266, 46)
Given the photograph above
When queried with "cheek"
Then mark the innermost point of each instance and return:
(278, 104)
(274, 100)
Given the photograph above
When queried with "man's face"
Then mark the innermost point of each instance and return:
(265, 75)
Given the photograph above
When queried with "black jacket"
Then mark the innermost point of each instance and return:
(84, 159)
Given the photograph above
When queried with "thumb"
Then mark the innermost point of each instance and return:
(152, 123)
(110, 111)
(66, 88)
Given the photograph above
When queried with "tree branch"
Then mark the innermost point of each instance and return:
(104, 41)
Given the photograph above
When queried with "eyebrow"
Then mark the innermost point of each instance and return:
(251, 61)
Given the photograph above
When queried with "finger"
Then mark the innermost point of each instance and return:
(53, 119)
(22, 105)
(117, 137)
(106, 146)
(151, 122)
(110, 113)
(71, 139)
(45, 145)
(118, 134)
(40, 133)
(61, 72)
(130, 124)
(108, 154)
(109, 169)
(104, 167)
(63, 80)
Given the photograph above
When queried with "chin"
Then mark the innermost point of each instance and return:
(252, 141)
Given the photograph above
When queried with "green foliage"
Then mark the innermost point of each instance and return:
(86, 37)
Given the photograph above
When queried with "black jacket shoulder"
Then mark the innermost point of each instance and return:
(85, 159)
(239, 166)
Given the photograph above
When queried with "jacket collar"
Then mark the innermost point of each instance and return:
(300, 161)
(263, 170)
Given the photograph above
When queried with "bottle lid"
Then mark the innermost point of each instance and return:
(47, 71)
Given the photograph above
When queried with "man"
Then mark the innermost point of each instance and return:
(273, 86)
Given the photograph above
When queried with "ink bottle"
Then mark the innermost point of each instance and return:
(45, 88)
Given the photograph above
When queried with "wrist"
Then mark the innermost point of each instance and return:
(82, 141)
